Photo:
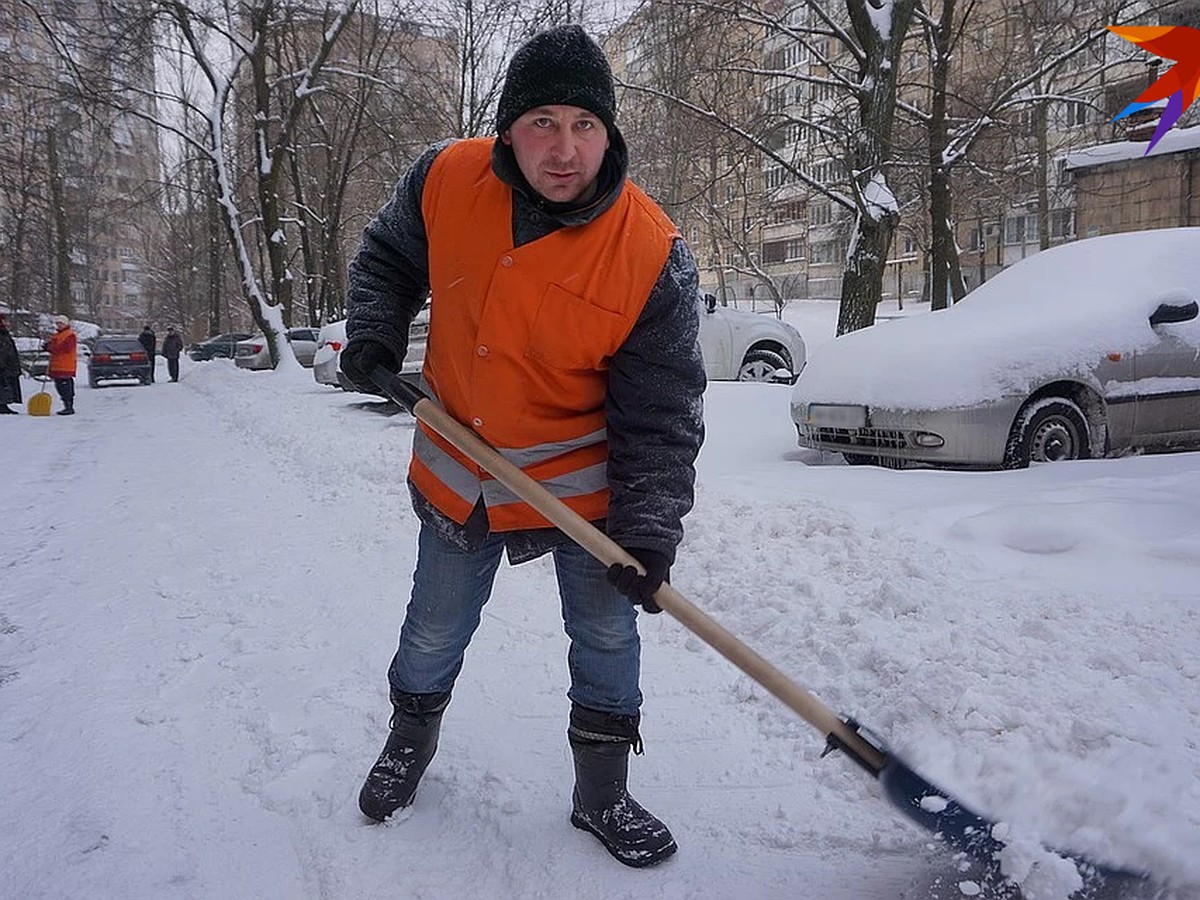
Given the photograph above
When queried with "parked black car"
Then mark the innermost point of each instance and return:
(118, 356)
(219, 347)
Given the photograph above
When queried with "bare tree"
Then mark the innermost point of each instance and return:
(232, 47)
(1010, 69)
(25, 206)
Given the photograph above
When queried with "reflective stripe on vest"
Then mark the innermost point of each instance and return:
(467, 481)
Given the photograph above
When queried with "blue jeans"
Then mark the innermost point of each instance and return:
(450, 588)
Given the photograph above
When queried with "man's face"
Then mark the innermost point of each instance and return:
(559, 150)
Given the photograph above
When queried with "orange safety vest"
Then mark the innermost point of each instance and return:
(520, 338)
(62, 354)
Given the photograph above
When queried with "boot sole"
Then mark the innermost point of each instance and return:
(641, 861)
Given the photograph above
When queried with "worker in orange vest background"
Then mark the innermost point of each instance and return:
(563, 329)
(62, 346)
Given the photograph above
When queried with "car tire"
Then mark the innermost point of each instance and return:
(92, 382)
(760, 365)
(1049, 429)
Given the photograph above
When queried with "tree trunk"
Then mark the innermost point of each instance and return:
(862, 279)
(215, 268)
(866, 259)
(1041, 174)
(945, 272)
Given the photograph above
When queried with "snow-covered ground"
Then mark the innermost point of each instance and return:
(201, 584)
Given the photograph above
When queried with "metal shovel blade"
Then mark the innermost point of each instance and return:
(965, 830)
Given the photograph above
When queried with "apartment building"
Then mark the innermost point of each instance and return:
(75, 174)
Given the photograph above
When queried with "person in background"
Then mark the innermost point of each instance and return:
(149, 340)
(10, 370)
(172, 347)
(63, 346)
(563, 329)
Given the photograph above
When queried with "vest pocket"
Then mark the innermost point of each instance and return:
(571, 333)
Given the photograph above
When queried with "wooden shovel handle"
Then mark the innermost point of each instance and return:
(606, 551)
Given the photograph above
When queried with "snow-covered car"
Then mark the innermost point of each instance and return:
(253, 353)
(332, 338)
(1085, 350)
(745, 346)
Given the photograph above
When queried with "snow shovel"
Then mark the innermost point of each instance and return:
(923, 802)
(39, 403)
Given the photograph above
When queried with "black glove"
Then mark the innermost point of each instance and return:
(640, 588)
(359, 360)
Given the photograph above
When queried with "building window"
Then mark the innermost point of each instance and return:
(1062, 223)
(774, 252)
(825, 172)
(823, 90)
(1075, 114)
(826, 252)
(781, 213)
(1021, 229)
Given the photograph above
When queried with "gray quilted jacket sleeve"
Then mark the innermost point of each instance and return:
(655, 414)
(389, 276)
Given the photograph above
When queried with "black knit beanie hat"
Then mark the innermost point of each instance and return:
(559, 66)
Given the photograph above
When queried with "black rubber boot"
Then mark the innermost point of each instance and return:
(600, 743)
(392, 781)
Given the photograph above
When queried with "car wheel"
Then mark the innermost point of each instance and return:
(1051, 429)
(92, 382)
(760, 365)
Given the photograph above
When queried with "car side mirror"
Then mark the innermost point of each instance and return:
(1174, 312)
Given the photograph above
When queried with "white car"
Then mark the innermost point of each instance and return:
(327, 367)
(253, 353)
(744, 346)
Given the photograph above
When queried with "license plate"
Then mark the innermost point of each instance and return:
(120, 357)
(837, 415)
